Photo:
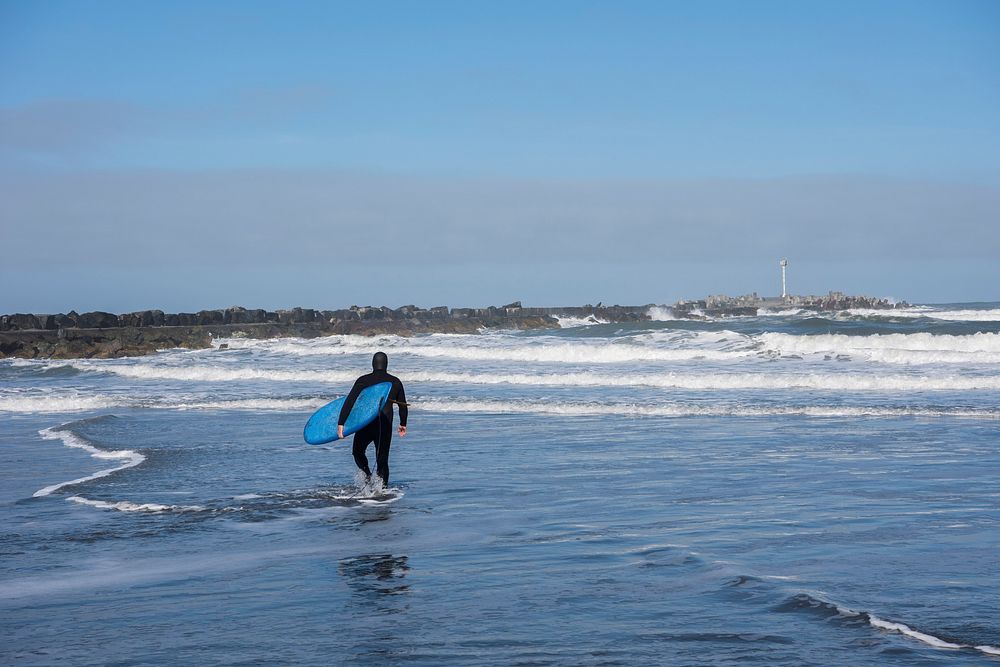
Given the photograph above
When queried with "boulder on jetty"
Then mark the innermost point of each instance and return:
(98, 320)
(143, 318)
(19, 321)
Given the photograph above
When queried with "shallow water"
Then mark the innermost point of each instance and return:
(769, 489)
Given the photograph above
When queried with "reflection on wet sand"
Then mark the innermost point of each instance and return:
(373, 576)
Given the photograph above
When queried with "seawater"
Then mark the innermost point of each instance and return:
(791, 489)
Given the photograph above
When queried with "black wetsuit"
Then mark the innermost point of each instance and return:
(380, 430)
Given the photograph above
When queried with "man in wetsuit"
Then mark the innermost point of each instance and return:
(380, 430)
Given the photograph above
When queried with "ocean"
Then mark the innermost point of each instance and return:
(788, 489)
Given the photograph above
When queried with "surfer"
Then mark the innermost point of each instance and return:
(380, 430)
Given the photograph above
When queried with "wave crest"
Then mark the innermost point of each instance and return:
(912, 348)
(71, 439)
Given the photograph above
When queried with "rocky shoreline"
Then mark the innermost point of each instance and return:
(102, 335)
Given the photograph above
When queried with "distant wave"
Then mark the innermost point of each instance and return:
(516, 406)
(963, 315)
(915, 312)
(910, 348)
(672, 346)
(668, 346)
(694, 381)
(787, 312)
(567, 322)
(70, 439)
(688, 410)
(671, 380)
(255, 404)
(62, 403)
(992, 315)
(54, 403)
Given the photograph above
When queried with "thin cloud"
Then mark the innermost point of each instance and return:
(259, 217)
(66, 127)
(74, 127)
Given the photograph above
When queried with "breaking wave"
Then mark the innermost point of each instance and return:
(664, 346)
(61, 404)
(661, 314)
(566, 322)
(667, 380)
(787, 312)
(670, 346)
(552, 407)
(55, 403)
(70, 439)
(689, 410)
(962, 315)
(913, 348)
(804, 602)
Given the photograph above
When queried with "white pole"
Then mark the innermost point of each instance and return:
(784, 293)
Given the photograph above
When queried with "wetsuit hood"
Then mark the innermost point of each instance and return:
(380, 361)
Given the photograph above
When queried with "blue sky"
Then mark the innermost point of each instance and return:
(188, 155)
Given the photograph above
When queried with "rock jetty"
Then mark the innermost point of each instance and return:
(751, 305)
(106, 335)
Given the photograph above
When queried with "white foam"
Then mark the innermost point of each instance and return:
(566, 322)
(371, 490)
(724, 381)
(670, 346)
(913, 312)
(787, 312)
(673, 346)
(54, 403)
(961, 315)
(69, 439)
(915, 348)
(687, 410)
(668, 380)
(582, 409)
(201, 373)
(125, 506)
(906, 313)
(255, 404)
(660, 314)
(986, 315)
(380, 501)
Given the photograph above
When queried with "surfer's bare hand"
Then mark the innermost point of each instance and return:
(340, 430)
(402, 430)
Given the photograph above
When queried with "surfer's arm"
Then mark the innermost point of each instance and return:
(345, 411)
(401, 404)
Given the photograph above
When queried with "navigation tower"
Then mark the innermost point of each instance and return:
(783, 263)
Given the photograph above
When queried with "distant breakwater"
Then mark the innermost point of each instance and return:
(102, 335)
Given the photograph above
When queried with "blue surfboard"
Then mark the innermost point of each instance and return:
(322, 426)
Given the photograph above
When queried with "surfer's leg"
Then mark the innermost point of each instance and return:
(382, 450)
(362, 439)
